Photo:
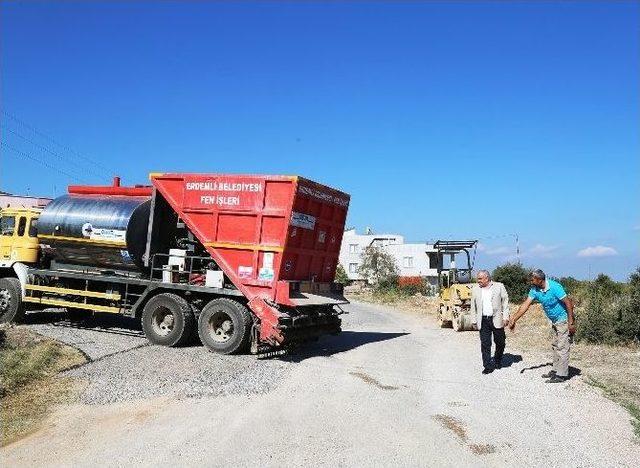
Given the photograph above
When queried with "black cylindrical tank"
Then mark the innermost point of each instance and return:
(104, 231)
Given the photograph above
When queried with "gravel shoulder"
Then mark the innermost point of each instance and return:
(393, 389)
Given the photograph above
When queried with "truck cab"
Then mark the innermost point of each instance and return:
(18, 236)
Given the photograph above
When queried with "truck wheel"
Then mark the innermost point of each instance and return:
(11, 306)
(224, 326)
(77, 315)
(167, 320)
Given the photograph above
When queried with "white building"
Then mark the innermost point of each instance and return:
(411, 259)
(8, 200)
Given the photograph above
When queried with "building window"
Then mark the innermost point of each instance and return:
(408, 262)
(353, 268)
(353, 248)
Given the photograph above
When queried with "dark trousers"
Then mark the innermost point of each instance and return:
(486, 331)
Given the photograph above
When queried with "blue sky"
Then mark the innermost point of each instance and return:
(458, 119)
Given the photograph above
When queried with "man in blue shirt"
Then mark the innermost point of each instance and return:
(559, 310)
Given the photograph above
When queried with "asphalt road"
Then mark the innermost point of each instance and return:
(392, 390)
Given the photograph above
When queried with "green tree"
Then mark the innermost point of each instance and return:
(569, 283)
(575, 288)
(379, 267)
(341, 275)
(515, 278)
(606, 287)
(612, 311)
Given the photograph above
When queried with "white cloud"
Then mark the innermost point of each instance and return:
(499, 250)
(598, 251)
(541, 251)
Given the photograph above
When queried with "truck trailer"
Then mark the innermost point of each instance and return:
(245, 261)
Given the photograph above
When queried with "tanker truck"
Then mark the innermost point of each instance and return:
(246, 262)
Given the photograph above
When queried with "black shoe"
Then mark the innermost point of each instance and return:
(498, 364)
(556, 379)
(487, 370)
(549, 374)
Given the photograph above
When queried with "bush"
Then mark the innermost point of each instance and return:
(411, 285)
(388, 283)
(570, 284)
(341, 275)
(575, 288)
(515, 278)
(612, 311)
(605, 287)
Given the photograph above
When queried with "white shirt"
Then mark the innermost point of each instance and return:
(487, 306)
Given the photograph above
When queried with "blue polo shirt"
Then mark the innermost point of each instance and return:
(551, 300)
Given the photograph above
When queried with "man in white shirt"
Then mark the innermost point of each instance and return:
(490, 306)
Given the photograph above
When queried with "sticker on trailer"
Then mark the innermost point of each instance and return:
(267, 260)
(288, 266)
(321, 236)
(302, 220)
(323, 195)
(266, 274)
(108, 234)
(86, 229)
(245, 271)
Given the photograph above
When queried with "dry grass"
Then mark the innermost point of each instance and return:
(419, 304)
(29, 387)
(614, 369)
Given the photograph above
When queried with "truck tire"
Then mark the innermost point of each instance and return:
(11, 306)
(224, 326)
(168, 320)
(77, 315)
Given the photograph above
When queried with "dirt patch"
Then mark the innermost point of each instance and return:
(482, 449)
(460, 431)
(417, 303)
(454, 425)
(457, 404)
(29, 364)
(371, 381)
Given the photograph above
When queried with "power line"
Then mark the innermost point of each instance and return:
(48, 150)
(54, 141)
(44, 163)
